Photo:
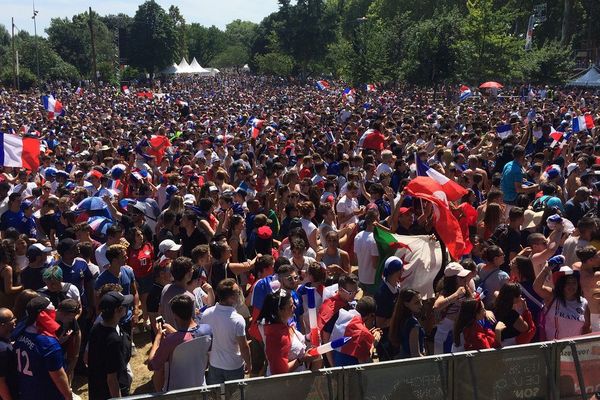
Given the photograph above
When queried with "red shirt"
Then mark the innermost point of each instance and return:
(141, 260)
(373, 140)
(277, 347)
(478, 338)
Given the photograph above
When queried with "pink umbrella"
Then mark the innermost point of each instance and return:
(489, 85)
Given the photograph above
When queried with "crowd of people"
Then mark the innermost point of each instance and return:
(231, 222)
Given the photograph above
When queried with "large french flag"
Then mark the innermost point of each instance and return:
(350, 324)
(465, 93)
(583, 122)
(19, 152)
(453, 190)
(53, 106)
(503, 131)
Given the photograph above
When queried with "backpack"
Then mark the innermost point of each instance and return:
(541, 205)
(499, 236)
(56, 297)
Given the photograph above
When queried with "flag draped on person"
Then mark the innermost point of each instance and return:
(465, 93)
(349, 324)
(19, 152)
(446, 224)
(453, 190)
(421, 255)
(158, 146)
(53, 106)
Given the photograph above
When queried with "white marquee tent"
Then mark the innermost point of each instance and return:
(192, 68)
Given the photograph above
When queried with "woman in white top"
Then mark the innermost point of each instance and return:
(308, 212)
(566, 313)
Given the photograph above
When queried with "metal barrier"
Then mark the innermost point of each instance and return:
(567, 369)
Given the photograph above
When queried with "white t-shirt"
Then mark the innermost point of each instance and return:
(381, 168)
(569, 247)
(101, 260)
(308, 226)
(347, 206)
(228, 326)
(365, 248)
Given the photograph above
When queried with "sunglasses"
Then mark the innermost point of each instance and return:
(349, 293)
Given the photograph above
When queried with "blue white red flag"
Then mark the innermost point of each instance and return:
(322, 85)
(453, 190)
(465, 93)
(53, 106)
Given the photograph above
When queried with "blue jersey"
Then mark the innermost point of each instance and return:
(77, 274)
(125, 279)
(37, 355)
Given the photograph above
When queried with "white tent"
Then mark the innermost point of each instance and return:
(196, 69)
(183, 67)
(170, 70)
(214, 71)
(246, 68)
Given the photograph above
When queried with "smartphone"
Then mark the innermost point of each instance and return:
(160, 321)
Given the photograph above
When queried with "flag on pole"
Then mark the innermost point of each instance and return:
(453, 190)
(79, 91)
(583, 122)
(322, 85)
(348, 92)
(53, 106)
(20, 152)
(445, 223)
(465, 93)
(529, 37)
(421, 255)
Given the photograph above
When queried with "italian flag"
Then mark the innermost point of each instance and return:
(422, 257)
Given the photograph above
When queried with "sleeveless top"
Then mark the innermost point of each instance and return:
(331, 259)
(565, 320)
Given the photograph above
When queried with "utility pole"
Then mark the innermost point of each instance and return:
(14, 55)
(93, 39)
(37, 57)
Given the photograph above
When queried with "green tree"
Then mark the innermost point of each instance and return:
(205, 43)
(241, 33)
(71, 39)
(547, 64)
(153, 38)
(430, 55)
(180, 31)
(277, 64)
(232, 56)
(52, 67)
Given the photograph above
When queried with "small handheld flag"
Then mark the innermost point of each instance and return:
(322, 85)
(53, 106)
(465, 93)
(327, 347)
(371, 88)
(312, 316)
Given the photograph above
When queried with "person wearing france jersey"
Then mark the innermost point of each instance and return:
(40, 361)
(76, 272)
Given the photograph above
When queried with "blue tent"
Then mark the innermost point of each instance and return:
(590, 78)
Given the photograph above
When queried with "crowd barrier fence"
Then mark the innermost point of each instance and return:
(564, 369)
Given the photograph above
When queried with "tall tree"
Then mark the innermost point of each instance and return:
(180, 31)
(205, 43)
(153, 38)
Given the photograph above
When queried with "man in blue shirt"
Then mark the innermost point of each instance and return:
(12, 217)
(76, 272)
(512, 178)
(40, 362)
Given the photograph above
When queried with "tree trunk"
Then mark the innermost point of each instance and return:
(566, 23)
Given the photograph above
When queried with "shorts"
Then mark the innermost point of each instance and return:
(144, 285)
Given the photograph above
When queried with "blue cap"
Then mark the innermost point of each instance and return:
(25, 204)
(556, 262)
(50, 172)
(392, 265)
(171, 189)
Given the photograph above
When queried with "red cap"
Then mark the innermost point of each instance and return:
(96, 174)
(403, 210)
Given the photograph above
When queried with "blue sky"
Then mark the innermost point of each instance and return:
(205, 12)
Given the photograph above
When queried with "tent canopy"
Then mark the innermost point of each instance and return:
(590, 78)
(183, 67)
(197, 69)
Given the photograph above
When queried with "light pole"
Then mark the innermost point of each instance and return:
(37, 58)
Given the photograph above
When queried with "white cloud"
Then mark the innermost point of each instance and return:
(205, 12)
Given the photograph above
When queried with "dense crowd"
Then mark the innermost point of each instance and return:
(233, 221)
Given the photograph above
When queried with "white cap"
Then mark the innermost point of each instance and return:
(168, 245)
(189, 199)
(455, 269)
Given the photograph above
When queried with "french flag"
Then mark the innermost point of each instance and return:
(322, 85)
(53, 106)
(350, 324)
(348, 92)
(583, 122)
(453, 190)
(330, 137)
(465, 93)
(125, 89)
(257, 125)
(503, 131)
(371, 88)
(79, 91)
(19, 152)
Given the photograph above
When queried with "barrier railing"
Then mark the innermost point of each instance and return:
(567, 369)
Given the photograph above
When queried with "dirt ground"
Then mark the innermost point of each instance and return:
(142, 377)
